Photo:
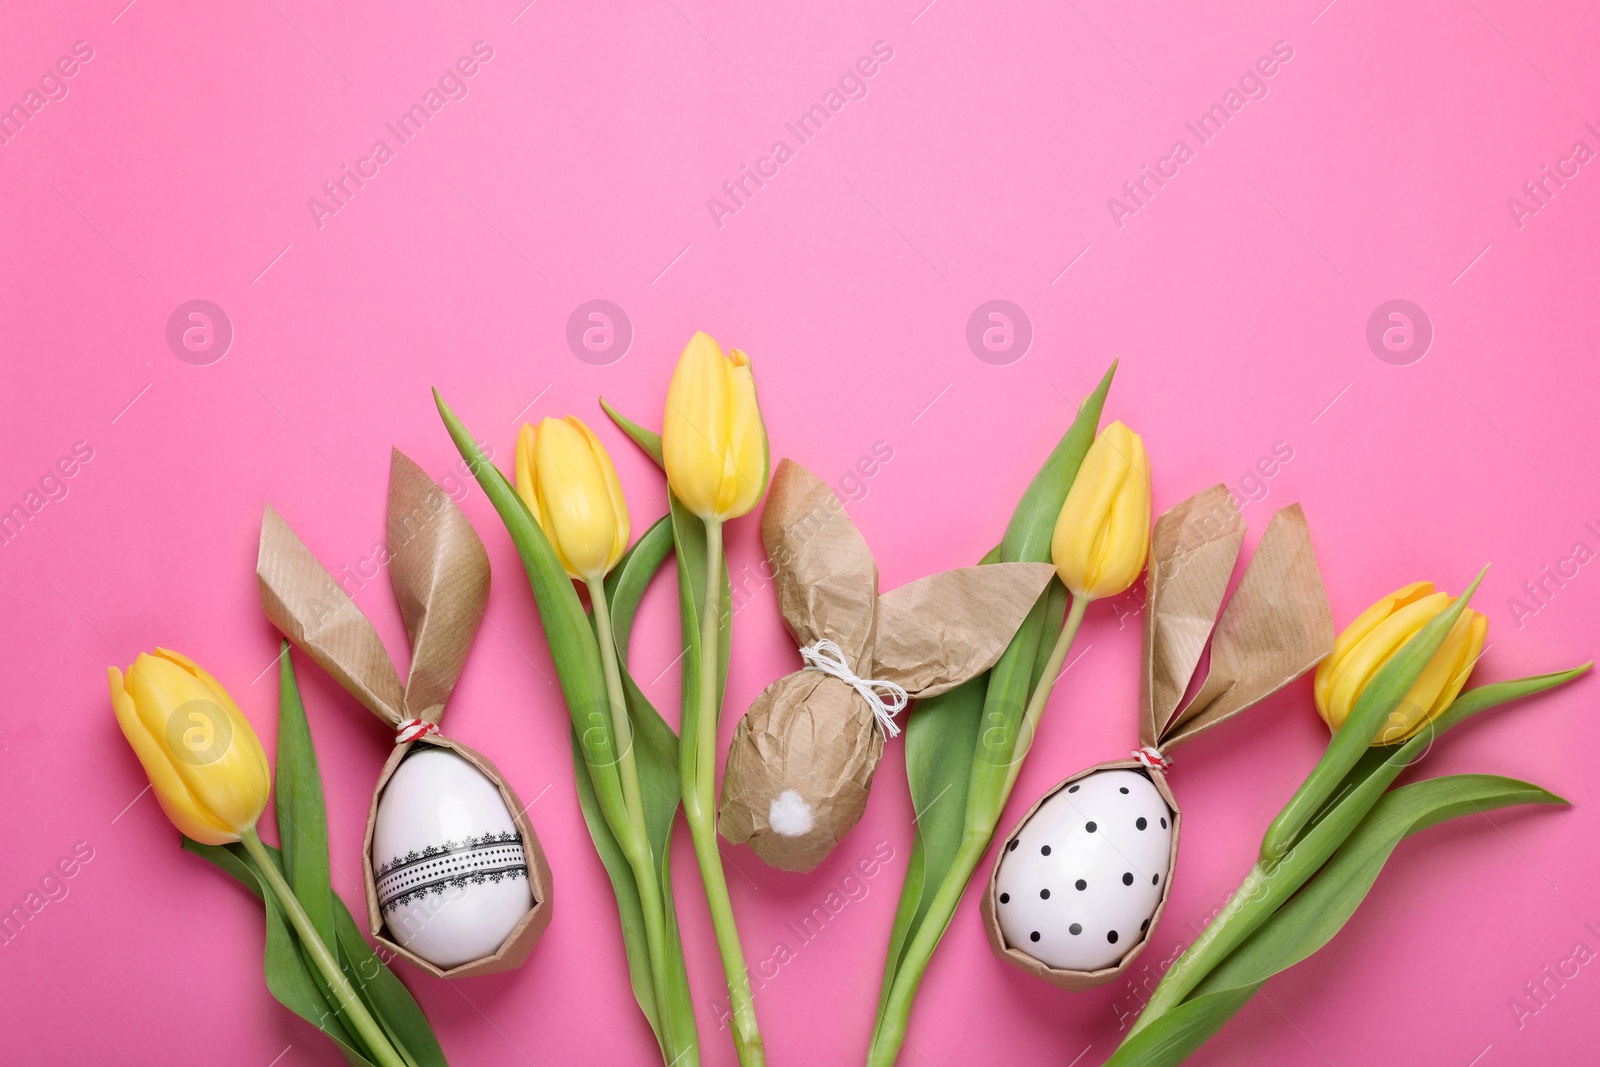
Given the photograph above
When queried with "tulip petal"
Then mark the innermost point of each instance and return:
(1356, 668)
(695, 426)
(172, 794)
(207, 741)
(1475, 643)
(251, 743)
(1127, 541)
(1097, 548)
(1351, 636)
(1436, 687)
(574, 498)
(748, 467)
(527, 484)
(619, 504)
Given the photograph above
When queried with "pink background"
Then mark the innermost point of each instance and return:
(978, 166)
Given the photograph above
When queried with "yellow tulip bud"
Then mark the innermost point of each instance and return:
(713, 442)
(1103, 532)
(565, 476)
(1375, 636)
(200, 753)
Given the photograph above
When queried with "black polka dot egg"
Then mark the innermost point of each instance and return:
(1079, 883)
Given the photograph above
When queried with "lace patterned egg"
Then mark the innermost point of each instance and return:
(450, 873)
(1079, 883)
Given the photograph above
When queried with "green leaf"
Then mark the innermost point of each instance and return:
(941, 735)
(648, 440)
(628, 580)
(939, 740)
(566, 626)
(1381, 695)
(1484, 697)
(965, 739)
(1390, 760)
(1268, 886)
(1055, 613)
(1012, 679)
(656, 755)
(380, 990)
(231, 859)
(573, 645)
(629, 910)
(302, 815)
(656, 746)
(289, 976)
(689, 535)
(1319, 911)
(390, 1002)
(1311, 918)
(303, 821)
(1033, 523)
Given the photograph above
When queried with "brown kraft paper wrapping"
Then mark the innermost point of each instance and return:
(440, 576)
(804, 754)
(1276, 627)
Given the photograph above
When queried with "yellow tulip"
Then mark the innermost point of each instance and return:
(200, 753)
(713, 442)
(1102, 535)
(1375, 636)
(565, 476)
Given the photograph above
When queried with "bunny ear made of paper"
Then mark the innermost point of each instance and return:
(826, 579)
(1276, 627)
(314, 612)
(936, 632)
(440, 575)
(1193, 549)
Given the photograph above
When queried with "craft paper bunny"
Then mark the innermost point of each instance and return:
(440, 575)
(803, 756)
(1085, 874)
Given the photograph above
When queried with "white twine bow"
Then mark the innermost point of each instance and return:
(828, 657)
(412, 729)
(1152, 758)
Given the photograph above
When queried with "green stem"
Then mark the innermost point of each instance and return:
(621, 727)
(1244, 913)
(889, 1030)
(699, 769)
(1041, 695)
(350, 1005)
(986, 799)
(1267, 887)
(634, 838)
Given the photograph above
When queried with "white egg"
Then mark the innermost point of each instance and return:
(451, 876)
(1081, 880)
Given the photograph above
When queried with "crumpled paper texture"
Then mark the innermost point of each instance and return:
(804, 754)
(1276, 626)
